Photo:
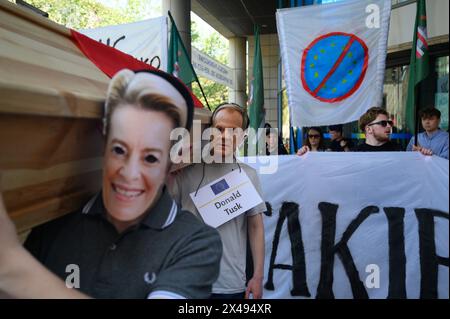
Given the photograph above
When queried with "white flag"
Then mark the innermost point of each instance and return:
(145, 40)
(334, 59)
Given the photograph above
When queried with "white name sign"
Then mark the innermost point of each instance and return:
(226, 198)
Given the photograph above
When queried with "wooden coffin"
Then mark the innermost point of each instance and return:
(50, 119)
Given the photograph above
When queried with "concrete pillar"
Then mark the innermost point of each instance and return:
(238, 63)
(181, 13)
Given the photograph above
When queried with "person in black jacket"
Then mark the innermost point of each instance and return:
(274, 143)
(338, 142)
(377, 127)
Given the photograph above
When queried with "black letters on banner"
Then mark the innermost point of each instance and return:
(325, 288)
(397, 257)
(154, 62)
(158, 62)
(269, 210)
(429, 260)
(108, 41)
(290, 211)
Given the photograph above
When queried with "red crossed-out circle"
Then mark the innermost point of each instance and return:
(353, 38)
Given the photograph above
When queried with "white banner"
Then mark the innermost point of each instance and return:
(334, 59)
(382, 215)
(145, 40)
(211, 69)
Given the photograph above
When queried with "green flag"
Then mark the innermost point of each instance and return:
(179, 63)
(419, 67)
(256, 94)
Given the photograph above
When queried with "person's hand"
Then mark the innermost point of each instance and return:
(254, 287)
(303, 150)
(426, 151)
(9, 242)
(423, 150)
(8, 235)
(21, 275)
(343, 143)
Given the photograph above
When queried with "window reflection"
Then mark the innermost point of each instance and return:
(441, 95)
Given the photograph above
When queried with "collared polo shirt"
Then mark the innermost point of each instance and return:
(233, 233)
(169, 254)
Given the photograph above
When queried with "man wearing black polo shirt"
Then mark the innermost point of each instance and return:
(157, 258)
(377, 127)
(131, 240)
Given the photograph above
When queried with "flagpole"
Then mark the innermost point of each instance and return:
(203, 93)
(419, 66)
(416, 114)
(185, 52)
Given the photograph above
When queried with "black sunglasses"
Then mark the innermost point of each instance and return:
(382, 123)
(313, 135)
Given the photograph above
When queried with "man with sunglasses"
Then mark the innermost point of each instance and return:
(377, 127)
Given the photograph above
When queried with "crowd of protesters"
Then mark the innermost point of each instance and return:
(145, 209)
(377, 127)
